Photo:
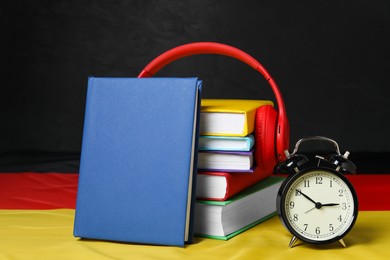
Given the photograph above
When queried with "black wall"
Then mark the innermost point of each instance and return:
(329, 58)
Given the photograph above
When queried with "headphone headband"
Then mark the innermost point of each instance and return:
(196, 48)
(201, 48)
(212, 48)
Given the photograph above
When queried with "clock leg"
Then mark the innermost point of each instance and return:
(342, 243)
(292, 241)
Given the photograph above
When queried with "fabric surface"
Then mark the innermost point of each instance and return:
(37, 214)
(38, 190)
(47, 234)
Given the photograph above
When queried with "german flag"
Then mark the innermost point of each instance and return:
(37, 214)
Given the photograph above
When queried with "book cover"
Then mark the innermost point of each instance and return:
(226, 143)
(221, 186)
(229, 117)
(231, 161)
(134, 185)
(225, 219)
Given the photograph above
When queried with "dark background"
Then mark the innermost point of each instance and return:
(329, 58)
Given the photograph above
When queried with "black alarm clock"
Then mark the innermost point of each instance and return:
(316, 202)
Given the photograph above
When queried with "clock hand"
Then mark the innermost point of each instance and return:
(331, 204)
(310, 209)
(307, 197)
(319, 205)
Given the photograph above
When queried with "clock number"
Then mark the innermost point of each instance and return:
(292, 204)
(306, 183)
(318, 180)
(340, 218)
(305, 227)
(295, 217)
(330, 184)
(344, 206)
(341, 193)
(331, 228)
(297, 192)
(318, 230)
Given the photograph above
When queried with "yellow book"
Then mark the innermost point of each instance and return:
(229, 117)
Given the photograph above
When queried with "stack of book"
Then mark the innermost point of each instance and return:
(232, 195)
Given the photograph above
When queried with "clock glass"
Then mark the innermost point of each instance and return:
(318, 206)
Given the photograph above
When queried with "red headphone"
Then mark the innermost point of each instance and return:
(272, 128)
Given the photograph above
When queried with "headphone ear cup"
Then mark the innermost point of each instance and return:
(346, 166)
(288, 166)
(265, 131)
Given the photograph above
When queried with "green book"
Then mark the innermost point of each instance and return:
(226, 219)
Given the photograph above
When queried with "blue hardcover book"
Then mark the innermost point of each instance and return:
(138, 160)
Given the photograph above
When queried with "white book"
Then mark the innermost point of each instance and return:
(225, 160)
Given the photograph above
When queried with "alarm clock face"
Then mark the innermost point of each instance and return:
(318, 205)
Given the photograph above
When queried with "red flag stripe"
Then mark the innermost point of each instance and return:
(59, 190)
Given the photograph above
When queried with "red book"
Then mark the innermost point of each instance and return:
(222, 185)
